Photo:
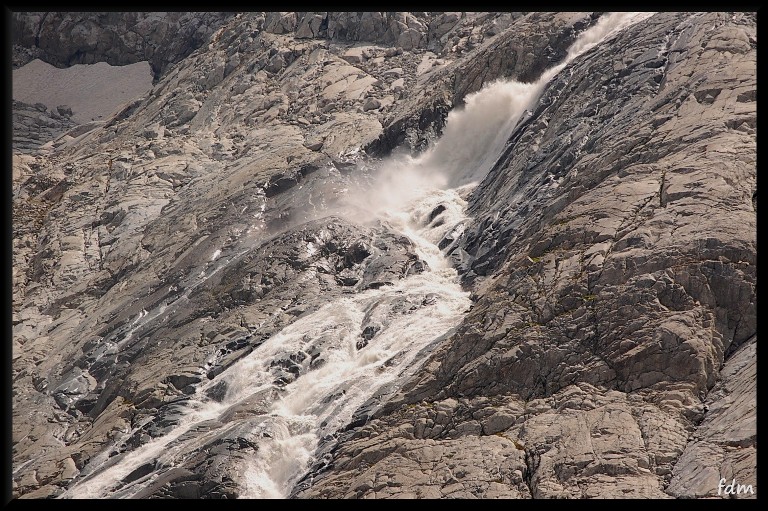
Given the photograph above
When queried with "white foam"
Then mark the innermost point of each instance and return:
(410, 315)
(475, 135)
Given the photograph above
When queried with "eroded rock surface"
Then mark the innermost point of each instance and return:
(36, 125)
(610, 251)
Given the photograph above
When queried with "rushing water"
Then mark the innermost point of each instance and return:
(323, 399)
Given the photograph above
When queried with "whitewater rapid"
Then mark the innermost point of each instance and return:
(322, 400)
(475, 135)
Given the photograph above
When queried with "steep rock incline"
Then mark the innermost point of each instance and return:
(725, 444)
(135, 277)
(533, 44)
(612, 253)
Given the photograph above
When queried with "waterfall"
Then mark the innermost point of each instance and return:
(404, 196)
(475, 135)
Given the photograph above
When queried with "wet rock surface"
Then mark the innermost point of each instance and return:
(606, 254)
(610, 252)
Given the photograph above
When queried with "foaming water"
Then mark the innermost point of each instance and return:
(286, 422)
(410, 315)
(475, 135)
(424, 199)
(163, 451)
(407, 316)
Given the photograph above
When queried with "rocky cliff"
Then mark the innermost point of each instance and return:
(205, 233)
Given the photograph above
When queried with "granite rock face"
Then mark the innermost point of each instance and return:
(725, 444)
(610, 251)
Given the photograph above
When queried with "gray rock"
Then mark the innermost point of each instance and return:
(34, 127)
(608, 351)
(600, 280)
(64, 110)
(314, 143)
(371, 104)
(725, 443)
(118, 38)
(280, 22)
(312, 26)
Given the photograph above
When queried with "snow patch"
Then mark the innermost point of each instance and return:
(93, 91)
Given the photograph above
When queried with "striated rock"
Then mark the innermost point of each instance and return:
(33, 128)
(724, 445)
(599, 254)
(610, 251)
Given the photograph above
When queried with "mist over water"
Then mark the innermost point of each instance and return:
(475, 135)
(288, 422)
